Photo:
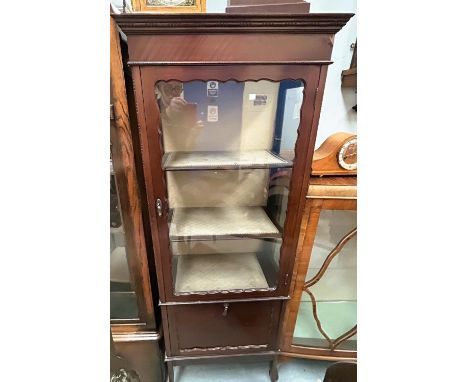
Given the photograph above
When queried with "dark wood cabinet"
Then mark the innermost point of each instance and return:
(135, 327)
(227, 108)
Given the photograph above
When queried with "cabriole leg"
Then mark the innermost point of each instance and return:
(274, 369)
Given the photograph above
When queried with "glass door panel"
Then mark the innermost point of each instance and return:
(123, 301)
(228, 157)
(330, 287)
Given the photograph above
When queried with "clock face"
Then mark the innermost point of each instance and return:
(347, 156)
(170, 3)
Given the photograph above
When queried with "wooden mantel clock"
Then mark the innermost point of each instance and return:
(336, 156)
(228, 108)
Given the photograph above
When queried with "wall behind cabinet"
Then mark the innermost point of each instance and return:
(337, 113)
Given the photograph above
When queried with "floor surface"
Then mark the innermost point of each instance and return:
(294, 370)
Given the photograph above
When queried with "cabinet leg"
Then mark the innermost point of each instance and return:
(170, 372)
(274, 369)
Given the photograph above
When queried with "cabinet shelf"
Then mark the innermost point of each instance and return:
(222, 160)
(209, 222)
(231, 271)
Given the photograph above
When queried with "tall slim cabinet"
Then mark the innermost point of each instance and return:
(227, 109)
(135, 324)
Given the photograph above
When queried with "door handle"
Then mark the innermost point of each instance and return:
(159, 207)
(226, 307)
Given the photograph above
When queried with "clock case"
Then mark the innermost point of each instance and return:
(223, 47)
(327, 156)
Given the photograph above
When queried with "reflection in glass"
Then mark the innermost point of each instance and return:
(170, 3)
(228, 156)
(335, 293)
(123, 303)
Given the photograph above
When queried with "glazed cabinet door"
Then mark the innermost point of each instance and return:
(326, 321)
(228, 148)
(123, 299)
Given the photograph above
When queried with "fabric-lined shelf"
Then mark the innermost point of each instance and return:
(206, 160)
(209, 222)
(219, 272)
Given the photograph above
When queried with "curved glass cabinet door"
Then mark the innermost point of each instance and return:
(327, 312)
(123, 300)
(228, 156)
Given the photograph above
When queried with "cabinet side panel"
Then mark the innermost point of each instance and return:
(311, 113)
(125, 172)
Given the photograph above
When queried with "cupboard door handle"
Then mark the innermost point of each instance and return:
(225, 311)
(159, 207)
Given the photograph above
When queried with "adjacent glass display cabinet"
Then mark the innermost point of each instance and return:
(320, 320)
(228, 108)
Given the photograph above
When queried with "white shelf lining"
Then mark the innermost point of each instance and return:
(181, 160)
(231, 271)
(221, 221)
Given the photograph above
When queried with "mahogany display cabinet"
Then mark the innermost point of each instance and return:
(227, 108)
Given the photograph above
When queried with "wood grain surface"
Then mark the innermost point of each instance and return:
(125, 173)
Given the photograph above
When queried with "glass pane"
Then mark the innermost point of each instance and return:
(228, 156)
(123, 303)
(335, 293)
(171, 3)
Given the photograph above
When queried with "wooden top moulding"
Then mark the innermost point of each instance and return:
(224, 39)
(146, 23)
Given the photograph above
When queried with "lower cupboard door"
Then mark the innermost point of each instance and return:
(224, 328)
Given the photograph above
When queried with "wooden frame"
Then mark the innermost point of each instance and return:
(333, 193)
(143, 6)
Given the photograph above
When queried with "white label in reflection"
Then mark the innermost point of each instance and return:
(212, 113)
(260, 100)
(212, 88)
